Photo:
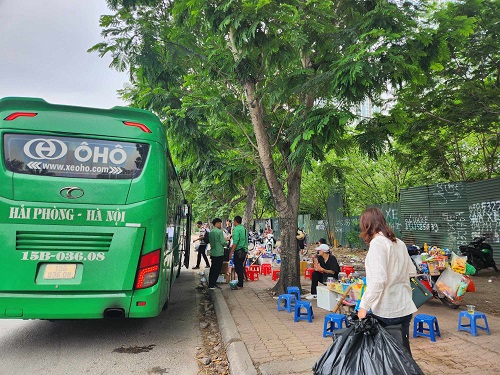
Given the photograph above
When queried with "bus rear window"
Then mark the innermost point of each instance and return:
(50, 155)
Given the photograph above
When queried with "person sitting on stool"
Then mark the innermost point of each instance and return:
(325, 266)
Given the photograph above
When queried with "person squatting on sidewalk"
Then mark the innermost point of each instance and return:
(325, 266)
(239, 249)
(203, 246)
(217, 243)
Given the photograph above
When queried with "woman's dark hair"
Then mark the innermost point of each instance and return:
(371, 222)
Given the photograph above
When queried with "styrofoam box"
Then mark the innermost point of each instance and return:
(223, 278)
(326, 299)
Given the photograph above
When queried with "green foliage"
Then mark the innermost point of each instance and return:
(353, 238)
(311, 62)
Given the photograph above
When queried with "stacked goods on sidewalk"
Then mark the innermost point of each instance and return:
(444, 273)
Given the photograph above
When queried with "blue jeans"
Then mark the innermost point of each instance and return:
(405, 323)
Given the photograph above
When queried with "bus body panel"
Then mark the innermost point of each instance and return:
(68, 119)
(104, 258)
(72, 238)
(57, 305)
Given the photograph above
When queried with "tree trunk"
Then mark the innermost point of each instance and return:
(287, 207)
(251, 193)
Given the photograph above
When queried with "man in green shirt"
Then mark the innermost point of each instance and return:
(239, 248)
(217, 243)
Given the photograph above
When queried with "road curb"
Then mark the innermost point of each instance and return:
(239, 359)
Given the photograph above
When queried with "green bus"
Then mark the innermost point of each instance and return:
(93, 219)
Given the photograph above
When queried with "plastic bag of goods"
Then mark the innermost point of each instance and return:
(458, 263)
(448, 284)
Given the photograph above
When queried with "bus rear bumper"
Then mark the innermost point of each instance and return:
(75, 306)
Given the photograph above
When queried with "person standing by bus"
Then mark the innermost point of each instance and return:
(239, 249)
(217, 243)
(203, 238)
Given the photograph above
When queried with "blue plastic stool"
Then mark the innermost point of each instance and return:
(307, 315)
(288, 300)
(333, 322)
(472, 327)
(294, 290)
(432, 323)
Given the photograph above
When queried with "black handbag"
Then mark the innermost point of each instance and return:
(420, 294)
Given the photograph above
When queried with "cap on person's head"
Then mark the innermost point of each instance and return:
(323, 247)
(216, 220)
(199, 222)
(322, 241)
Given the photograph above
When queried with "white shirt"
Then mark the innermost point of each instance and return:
(388, 268)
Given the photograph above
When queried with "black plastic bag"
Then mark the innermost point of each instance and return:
(365, 348)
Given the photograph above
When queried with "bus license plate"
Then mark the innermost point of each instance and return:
(59, 271)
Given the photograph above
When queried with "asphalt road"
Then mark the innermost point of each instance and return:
(162, 345)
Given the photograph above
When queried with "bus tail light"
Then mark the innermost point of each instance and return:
(15, 115)
(143, 127)
(149, 270)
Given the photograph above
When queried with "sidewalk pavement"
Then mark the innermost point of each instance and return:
(261, 340)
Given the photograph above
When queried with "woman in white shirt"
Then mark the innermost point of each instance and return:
(388, 268)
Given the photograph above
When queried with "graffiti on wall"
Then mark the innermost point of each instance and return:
(456, 223)
(485, 220)
(421, 222)
(450, 192)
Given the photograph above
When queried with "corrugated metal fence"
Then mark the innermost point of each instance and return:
(445, 215)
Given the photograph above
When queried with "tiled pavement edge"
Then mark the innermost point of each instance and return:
(261, 340)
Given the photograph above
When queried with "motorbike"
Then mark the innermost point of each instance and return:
(269, 243)
(254, 238)
(479, 254)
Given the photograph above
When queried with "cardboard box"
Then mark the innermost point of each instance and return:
(225, 268)
(303, 266)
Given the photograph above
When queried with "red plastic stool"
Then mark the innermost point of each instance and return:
(276, 275)
(255, 267)
(266, 269)
(308, 273)
(347, 269)
(253, 275)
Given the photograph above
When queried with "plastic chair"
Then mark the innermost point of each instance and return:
(255, 267)
(252, 275)
(308, 273)
(432, 323)
(472, 327)
(288, 300)
(266, 269)
(333, 322)
(294, 290)
(276, 275)
(307, 315)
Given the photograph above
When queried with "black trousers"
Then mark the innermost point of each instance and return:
(405, 324)
(202, 251)
(317, 277)
(215, 270)
(239, 268)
